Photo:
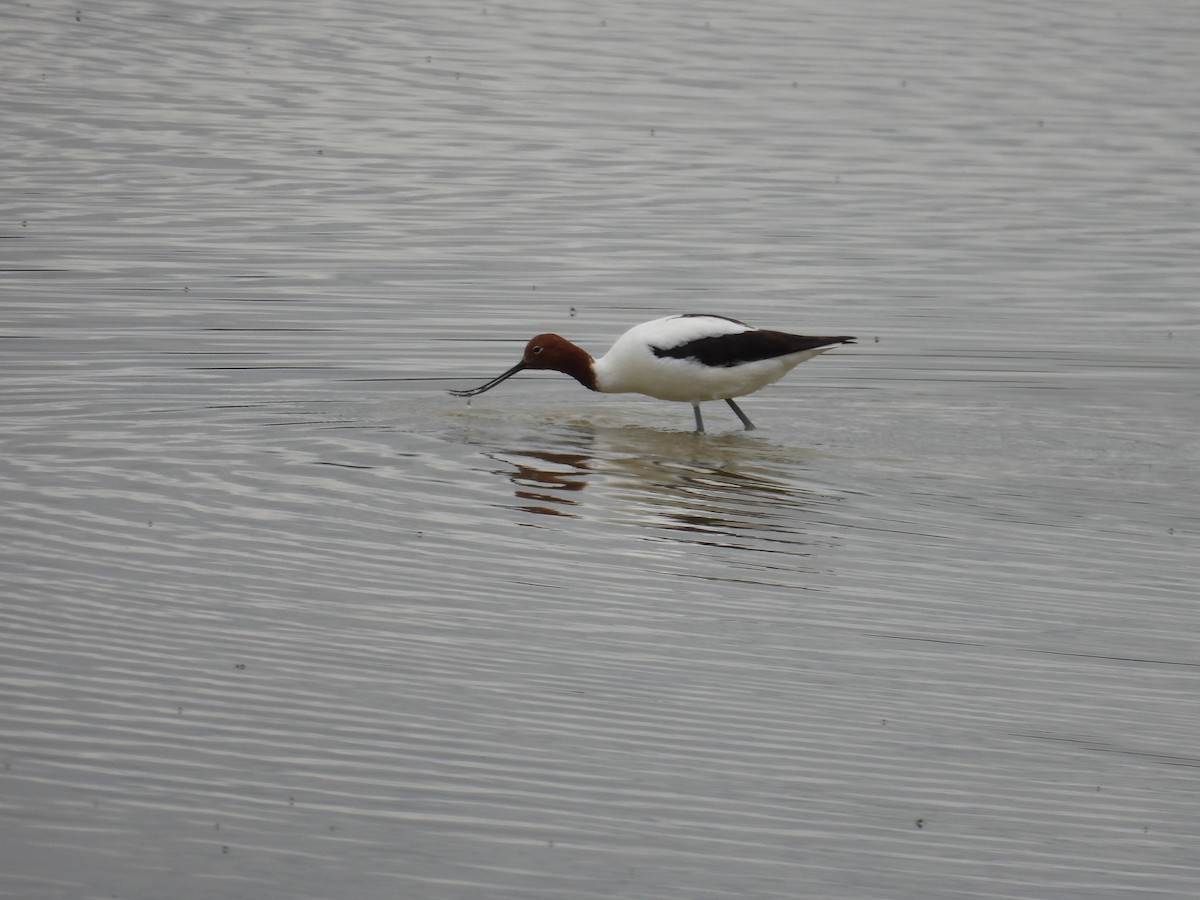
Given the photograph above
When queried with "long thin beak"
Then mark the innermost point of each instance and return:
(491, 384)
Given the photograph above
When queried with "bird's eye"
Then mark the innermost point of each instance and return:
(536, 350)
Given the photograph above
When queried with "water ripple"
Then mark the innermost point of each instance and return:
(282, 619)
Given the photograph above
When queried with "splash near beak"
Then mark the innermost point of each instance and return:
(491, 384)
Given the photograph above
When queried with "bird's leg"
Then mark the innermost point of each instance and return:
(699, 421)
(741, 415)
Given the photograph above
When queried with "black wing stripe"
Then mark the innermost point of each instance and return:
(725, 350)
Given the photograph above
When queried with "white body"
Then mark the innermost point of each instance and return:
(630, 365)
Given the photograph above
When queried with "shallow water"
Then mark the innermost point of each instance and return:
(283, 619)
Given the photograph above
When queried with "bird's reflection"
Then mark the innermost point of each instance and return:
(702, 488)
(545, 480)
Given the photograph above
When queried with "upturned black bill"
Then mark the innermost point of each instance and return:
(491, 384)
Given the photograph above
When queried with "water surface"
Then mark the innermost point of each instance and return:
(283, 619)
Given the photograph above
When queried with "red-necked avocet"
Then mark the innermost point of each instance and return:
(689, 358)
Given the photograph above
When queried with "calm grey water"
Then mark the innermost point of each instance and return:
(282, 619)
